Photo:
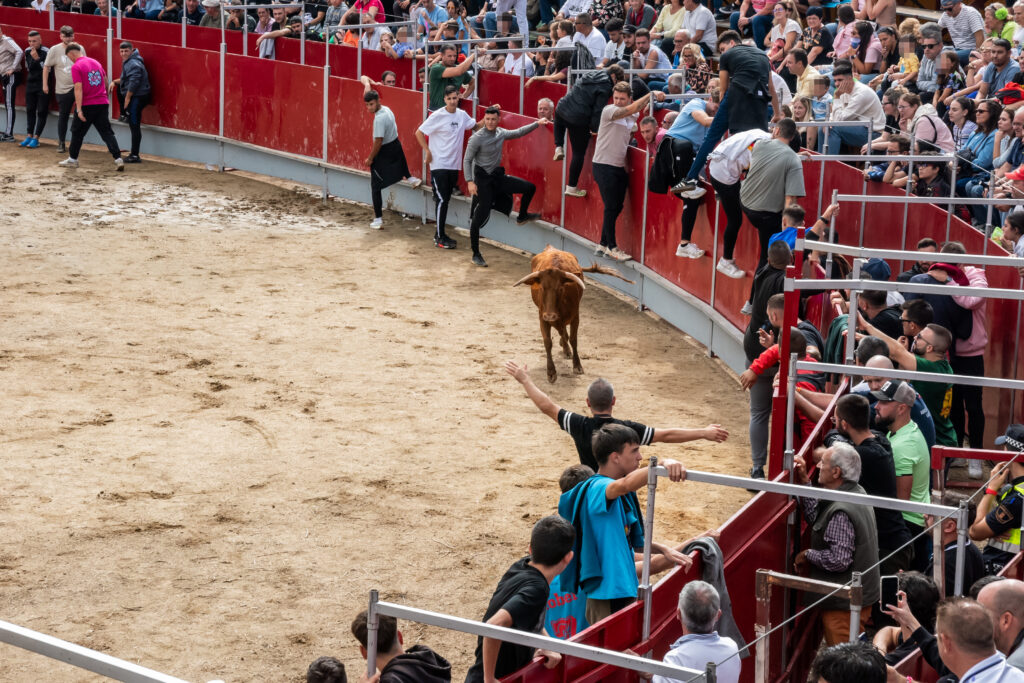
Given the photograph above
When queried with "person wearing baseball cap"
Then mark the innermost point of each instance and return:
(1001, 510)
(910, 457)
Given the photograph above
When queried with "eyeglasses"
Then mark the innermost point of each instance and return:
(901, 107)
(928, 46)
(906, 321)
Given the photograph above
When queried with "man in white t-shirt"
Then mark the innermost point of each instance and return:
(589, 36)
(609, 166)
(965, 25)
(700, 24)
(518, 63)
(615, 48)
(446, 129)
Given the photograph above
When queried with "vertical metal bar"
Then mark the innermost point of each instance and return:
(710, 673)
(714, 275)
(645, 580)
(109, 9)
(561, 220)
(325, 120)
(906, 207)
(220, 108)
(952, 194)
(372, 623)
(643, 211)
(790, 396)
(1016, 357)
(864, 187)
(855, 582)
(988, 213)
(110, 67)
(851, 320)
(831, 232)
(961, 548)
(762, 625)
(821, 185)
(359, 56)
(184, 23)
(302, 47)
(245, 33)
(426, 100)
(522, 79)
(939, 559)
(52, 10)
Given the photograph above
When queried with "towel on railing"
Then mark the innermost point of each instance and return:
(713, 572)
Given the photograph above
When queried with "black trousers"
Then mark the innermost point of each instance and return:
(612, 181)
(37, 104)
(489, 186)
(134, 112)
(767, 223)
(967, 399)
(95, 115)
(579, 139)
(729, 195)
(9, 84)
(690, 209)
(443, 182)
(65, 105)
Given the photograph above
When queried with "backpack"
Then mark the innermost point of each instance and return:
(1012, 92)
(582, 59)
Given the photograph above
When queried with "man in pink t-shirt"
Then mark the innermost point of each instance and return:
(91, 102)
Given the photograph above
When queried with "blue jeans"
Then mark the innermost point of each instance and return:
(855, 137)
(719, 126)
(490, 24)
(547, 13)
(975, 187)
(760, 25)
(964, 55)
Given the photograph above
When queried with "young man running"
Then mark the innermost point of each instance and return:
(446, 129)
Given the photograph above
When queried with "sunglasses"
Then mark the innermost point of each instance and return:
(928, 46)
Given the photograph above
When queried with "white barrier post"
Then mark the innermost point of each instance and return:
(372, 623)
(51, 16)
(245, 33)
(220, 108)
(184, 23)
(323, 151)
(645, 579)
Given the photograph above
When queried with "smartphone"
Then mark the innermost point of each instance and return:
(890, 587)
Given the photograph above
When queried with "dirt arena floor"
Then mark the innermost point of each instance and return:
(230, 412)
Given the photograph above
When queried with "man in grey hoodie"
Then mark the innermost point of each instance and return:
(132, 95)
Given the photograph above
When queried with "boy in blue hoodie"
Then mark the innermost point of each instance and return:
(609, 525)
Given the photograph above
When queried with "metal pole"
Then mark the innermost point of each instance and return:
(864, 190)
(220, 108)
(645, 580)
(831, 233)
(643, 210)
(110, 66)
(522, 80)
(359, 56)
(426, 108)
(988, 209)
(710, 673)
(372, 623)
(109, 9)
(790, 398)
(1013, 394)
(961, 547)
(324, 124)
(245, 33)
(561, 219)
(855, 583)
(851, 320)
(302, 48)
(51, 16)
(952, 194)
(906, 206)
(184, 23)
(714, 275)
(939, 559)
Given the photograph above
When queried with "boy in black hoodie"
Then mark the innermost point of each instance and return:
(418, 664)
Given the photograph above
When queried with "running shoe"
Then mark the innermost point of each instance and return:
(132, 159)
(414, 181)
(747, 309)
(690, 189)
(444, 243)
(376, 223)
(559, 153)
(729, 268)
(69, 163)
(4, 137)
(478, 260)
(119, 164)
(689, 250)
(974, 470)
(601, 251)
(571, 191)
(24, 143)
(62, 148)
(527, 217)
(618, 254)
(33, 143)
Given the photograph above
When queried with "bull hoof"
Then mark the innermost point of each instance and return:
(578, 369)
(567, 352)
(552, 376)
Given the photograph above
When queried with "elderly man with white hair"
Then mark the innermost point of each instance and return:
(844, 538)
(545, 109)
(699, 612)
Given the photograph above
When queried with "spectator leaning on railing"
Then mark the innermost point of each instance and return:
(132, 95)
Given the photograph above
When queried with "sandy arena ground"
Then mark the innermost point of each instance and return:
(230, 412)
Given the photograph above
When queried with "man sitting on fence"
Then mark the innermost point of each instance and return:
(419, 663)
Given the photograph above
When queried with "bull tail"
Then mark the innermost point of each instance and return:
(606, 271)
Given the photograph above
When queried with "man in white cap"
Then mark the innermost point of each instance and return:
(213, 16)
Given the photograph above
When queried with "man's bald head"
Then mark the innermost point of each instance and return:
(876, 363)
(1004, 601)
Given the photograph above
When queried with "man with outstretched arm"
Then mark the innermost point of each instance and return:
(601, 400)
(488, 183)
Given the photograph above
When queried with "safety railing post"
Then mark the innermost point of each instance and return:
(855, 606)
(711, 673)
(110, 69)
(522, 80)
(245, 34)
(988, 210)
(359, 56)
(184, 23)
(109, 10)
(561, 189)
(426, 108)
(372, 624)
(645, 579)
(302, 48)
(220, 108)
(326, 121)
(52, 20)
(906, 206)
(714, 276)
(643, 209)
(952, 193)
(864, 182)
(962, 522)
(790, 403)
(762, 625)
(831, 231)
(851, 320)
(939, 559)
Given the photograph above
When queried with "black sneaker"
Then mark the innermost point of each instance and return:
(527, 217)
(478, 260)
(443, 243)
(132, 159)
(4, 137)
(449, 243)
(123, 118)
(62, 149)
(756, 473)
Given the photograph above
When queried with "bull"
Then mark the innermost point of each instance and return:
(556, 285)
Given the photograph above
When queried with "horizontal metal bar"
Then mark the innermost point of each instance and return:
(865, 253)
(688, 96)
(807, 585)
(370, 25)
(996, 382)
(837, 124)
(904, 287)
(902, 199)
(881, 155)
(809, 492)
(473, 41)
(643, 71)
(520, 50)
(509, 635)
(81, 657)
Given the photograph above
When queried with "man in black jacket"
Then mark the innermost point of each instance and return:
(418, 664)
(132, 95)
(579, 112)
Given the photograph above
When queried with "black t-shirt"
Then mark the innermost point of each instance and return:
(974, 566)
(767, 281)
(523, 593)
(878, 477)
(888, 321)
(749, 72)
(581, 428)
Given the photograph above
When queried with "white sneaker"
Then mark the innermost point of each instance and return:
(559, 153)
(571, 191)
(689, 250)
(601, 251)
(729, 268)
(376, 223)
(747, 309)
(119, 164)
(618, 254)
(69, 163)
(974, 470)
(414, 181)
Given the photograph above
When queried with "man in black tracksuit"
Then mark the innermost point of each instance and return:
(37, 102)
(132, 95)
(579, 112)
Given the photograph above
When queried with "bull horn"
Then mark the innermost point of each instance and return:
(575, 278)
(528, 280)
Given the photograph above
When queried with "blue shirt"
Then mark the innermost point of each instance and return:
(436, 16)
(685, 127)
(981, 144)
(997, 80)
(695, 650)
(608, 531)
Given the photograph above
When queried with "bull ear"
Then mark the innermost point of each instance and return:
(528, 280)
(575, 278)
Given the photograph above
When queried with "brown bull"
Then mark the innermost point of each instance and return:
(556, 285)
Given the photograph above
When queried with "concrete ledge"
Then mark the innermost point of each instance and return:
(677, 306)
